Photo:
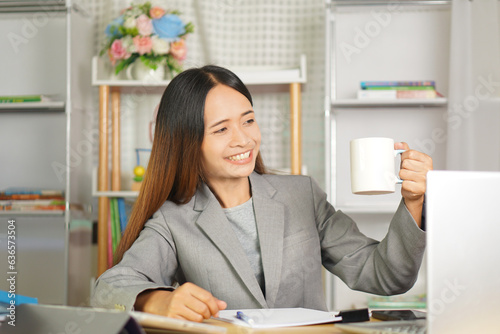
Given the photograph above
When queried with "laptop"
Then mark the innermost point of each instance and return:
(463, 258)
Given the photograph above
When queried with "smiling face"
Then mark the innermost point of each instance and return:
(232, 137)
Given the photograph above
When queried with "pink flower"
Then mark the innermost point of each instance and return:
(156, 12)
(178, 49)
(144, 25)
(143, 44)
(117, 51)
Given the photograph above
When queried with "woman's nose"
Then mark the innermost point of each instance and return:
(239, 138)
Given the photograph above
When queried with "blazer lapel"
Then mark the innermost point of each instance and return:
(214, 223)
(270, 218)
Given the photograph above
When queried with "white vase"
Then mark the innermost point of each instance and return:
(112, 73)
(139, 71)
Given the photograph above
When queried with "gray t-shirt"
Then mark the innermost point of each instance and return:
(242, 219)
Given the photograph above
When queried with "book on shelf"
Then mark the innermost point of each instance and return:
(19, 191)
(119, 210)
(24, 98)
(122, 213)
(371, 88)
(25, 199)
(367, 84)
(115, 223)
(396, 94)
(32, 205)
(392, 90)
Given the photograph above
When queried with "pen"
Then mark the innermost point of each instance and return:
(242, 316)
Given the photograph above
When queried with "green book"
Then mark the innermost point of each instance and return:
(113, 225)
(21, 98)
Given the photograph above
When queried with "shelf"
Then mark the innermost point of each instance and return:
(388, 2)
(355, 103)
(32, 213)
(110, 193)
(32, 106)
(121, 193)
(33, 6)
(255, 75)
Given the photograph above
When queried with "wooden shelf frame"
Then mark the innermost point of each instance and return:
(110, 89)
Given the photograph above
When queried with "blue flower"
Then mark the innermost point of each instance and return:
(112, 28)
(168, 26)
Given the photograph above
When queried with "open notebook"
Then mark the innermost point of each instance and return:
(279, 317)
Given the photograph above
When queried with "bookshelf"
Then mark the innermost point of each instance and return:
(33, 106)
(32, 213)
(382, 40)
(386, 55)
(41, 140)
(108, 184)
(355, 103)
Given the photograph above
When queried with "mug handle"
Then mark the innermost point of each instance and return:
(396, 152)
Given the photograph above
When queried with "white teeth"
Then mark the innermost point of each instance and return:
(239, 157)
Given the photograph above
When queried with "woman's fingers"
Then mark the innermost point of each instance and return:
(188, 302)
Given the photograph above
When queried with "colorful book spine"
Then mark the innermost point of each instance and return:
(123, 214)
(110, 241)
(114, 232)
(21, 98)
(390, 90)
(364, 94)
(26, 199)
(399, 88)
(365, 84)
(32, 205)
(416, 94)
(28, 191)
(118, 235)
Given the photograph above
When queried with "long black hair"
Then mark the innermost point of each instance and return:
(175, 170)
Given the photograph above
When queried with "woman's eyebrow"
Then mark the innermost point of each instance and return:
(225, 120)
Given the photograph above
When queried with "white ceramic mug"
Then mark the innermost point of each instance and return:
(373, 169)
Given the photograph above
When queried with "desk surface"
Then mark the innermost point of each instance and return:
(233, 329)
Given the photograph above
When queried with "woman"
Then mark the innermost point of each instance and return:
(210, 219)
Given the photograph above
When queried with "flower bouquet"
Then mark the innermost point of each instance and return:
(152, 34)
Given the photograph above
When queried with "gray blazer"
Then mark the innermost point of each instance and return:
(299, 231)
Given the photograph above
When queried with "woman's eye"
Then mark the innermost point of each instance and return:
(222, 130)
(250, 121)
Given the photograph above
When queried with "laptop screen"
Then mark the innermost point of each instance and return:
(463, 252)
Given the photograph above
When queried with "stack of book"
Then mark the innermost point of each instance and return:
(119, 210)
(389, 90)
(24, 98)
(20, 199)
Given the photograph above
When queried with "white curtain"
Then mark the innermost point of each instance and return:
(474, 105)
